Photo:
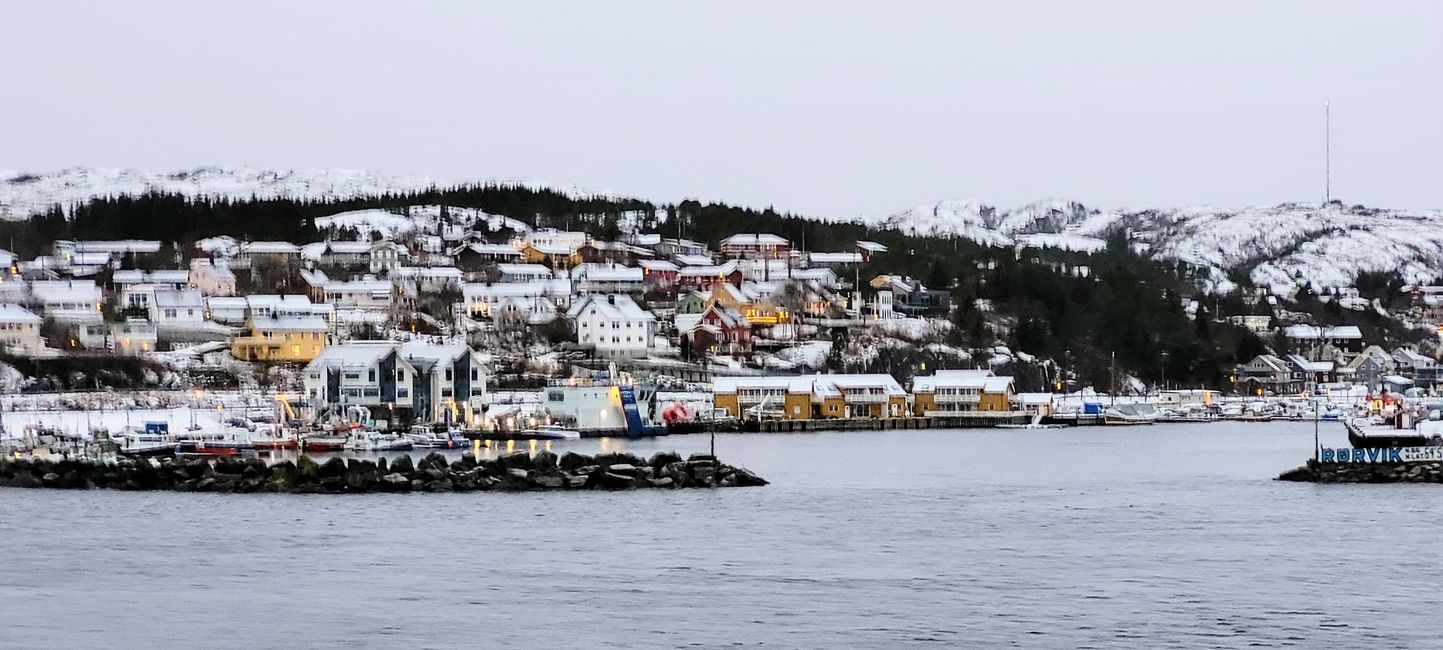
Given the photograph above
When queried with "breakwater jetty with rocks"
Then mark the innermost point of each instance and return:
(1396, 472)
(514, 472)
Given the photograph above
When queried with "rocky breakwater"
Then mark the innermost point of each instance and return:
(511, 473)
(1397, 472)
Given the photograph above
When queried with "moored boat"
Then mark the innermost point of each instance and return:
(550, 432)
(323, 442)
(224, 441)
(378, 441)
(136, 444)
(273, 440)
(437, 437)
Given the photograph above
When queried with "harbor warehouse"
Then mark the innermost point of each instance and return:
(811, 397)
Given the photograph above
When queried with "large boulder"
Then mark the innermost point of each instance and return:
(403, 465)
(433, 460)
(572, 460)
(745, 478)
(550, 481)
(614, 481)
(395, 482)
(544, 461)
(515, 460)
(661, 459)
(618, 458)
(333, 468)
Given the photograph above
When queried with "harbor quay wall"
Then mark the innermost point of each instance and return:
(883, 424)
(514, 472)
(1373, 472)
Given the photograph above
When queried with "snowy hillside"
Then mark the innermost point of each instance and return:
(24, 194)
(1282, 246)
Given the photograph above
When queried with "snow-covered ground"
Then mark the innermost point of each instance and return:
(25, 193)
(1285, 245)
(426, 218)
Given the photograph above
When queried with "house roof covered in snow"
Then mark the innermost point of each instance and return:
(755, 239)
(613, 306)
(13, 313)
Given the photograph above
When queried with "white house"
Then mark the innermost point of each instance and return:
(20, 330)
(184, 307)
(482, 300)
(233, 310)
(366, 293)
(133, 336)
(430, 278)
(523, 272)
(212, 277)
(164, 279)
(613, 325)
(549, 238)
(607, 278)
(68, 301)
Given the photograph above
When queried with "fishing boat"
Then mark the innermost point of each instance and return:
(222, 441)
(321, 441)
(378, 441)
(137, 444)
(437, 437)
(1398, 431)
(262, 439)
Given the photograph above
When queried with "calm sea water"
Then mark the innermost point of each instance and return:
(1162, 536)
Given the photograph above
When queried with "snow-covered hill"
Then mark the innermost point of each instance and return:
(24, 194)
(1281, 246)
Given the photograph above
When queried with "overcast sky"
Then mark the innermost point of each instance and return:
(826, 108)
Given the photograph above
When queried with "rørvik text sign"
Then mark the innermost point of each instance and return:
(1383, 455)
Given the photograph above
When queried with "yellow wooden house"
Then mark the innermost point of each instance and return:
(281, 339)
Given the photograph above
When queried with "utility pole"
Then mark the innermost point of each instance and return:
(1317, 449)
(1112, 391)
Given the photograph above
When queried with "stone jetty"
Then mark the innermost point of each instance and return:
(1316, 472)
(514, 472)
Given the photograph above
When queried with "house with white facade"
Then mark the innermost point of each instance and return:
(68, 301)
(163, 279)
(523, 272)
(367, 293)
(20, 330)
(212, 277)
(607, 278)
(183, 307)
(482, 300)
(613, 325)
(133, 336)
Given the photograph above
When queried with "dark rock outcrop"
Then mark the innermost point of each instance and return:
(1404, 472)
(512, 472)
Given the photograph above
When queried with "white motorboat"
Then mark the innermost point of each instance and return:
(423, 437)
(1130, 414)
(377, 441)
(551, 432)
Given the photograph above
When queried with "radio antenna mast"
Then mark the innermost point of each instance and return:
(1327, 152)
